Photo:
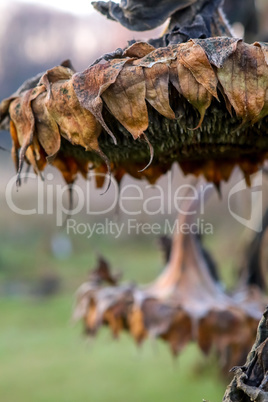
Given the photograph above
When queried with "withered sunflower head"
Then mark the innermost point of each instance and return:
(202, 104)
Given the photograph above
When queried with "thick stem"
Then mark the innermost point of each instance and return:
(187, 268)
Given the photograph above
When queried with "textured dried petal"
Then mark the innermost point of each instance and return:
(21, 114)
(263, 79)
(244, 78)
(264, 47)
(56, 74)
(81, 127)
(138, 49)
(35, 156)
(218, 49)
(90, 85)
(68, 167)
(173, 76)
(161, 55)
(193, 57)
(4, 108)
(126, 100)
(47, 129)
(195, 93)
(15, 144)
(156, 81)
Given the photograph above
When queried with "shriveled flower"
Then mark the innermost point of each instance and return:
(187, 302)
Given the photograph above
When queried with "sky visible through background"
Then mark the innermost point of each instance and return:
(79, 7)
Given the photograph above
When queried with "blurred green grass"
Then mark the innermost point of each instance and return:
(44, 357)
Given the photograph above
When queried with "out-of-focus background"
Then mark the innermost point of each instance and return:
(44, 357)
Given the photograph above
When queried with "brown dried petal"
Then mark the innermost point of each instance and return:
(90, 85)
(126, 100)
(91, 318)
(180, 332)
(35, 156)
(68, 167)
(76, 123)
(136, 324)
(100, 172)
(139, 50)
(195, 93)
(15, 144)
(21, 114)
(161, 55)
(264, 47)
(156, 80)
(218, 49)
(244, 78)
(4, 107)
(114, 320)
(47, 130)
(193, 57)
(56, 74)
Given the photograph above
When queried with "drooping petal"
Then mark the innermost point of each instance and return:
(157, 94)
(126, 100)
(244, 78)
(90, 85)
